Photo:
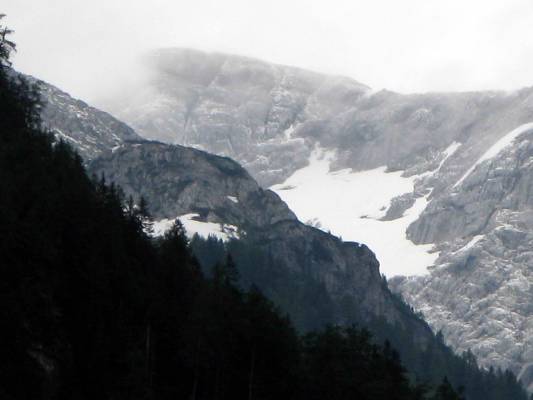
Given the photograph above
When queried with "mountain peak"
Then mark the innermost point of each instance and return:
(198, 63)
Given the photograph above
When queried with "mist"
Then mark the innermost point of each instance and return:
(91, 49)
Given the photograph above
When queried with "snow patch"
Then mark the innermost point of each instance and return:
(350, 204)
(471, 243)
(192, 226)
(288, 132)
(448, 152)
(233, 199)
(495, 149)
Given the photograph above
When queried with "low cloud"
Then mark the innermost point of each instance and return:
(92, 48)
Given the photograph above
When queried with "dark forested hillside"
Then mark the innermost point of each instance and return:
(427, 362)
(93, 308)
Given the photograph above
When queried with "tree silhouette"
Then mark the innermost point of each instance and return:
(6, 45)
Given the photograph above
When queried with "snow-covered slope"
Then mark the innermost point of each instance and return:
(352, 205)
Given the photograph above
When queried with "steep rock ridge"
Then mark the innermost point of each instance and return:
(271, 118)
(177, 180)
(88, 129)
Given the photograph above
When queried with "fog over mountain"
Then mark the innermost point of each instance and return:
(414, 46)
(362, 163)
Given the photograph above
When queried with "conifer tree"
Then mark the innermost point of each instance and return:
(6, 45)
(145, 216)
(445, 391)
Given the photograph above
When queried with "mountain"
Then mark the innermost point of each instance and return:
(95, 308)
(235, 106)
(314, 276)
(436, 180)
(203, 189)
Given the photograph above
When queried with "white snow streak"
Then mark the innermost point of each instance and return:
(233, 199)
(448, 152)
(471, 243)
(288, 132)
(495, 149)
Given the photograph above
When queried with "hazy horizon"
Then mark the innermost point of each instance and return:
(90, 49)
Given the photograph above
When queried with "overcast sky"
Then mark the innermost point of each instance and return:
(85, 46)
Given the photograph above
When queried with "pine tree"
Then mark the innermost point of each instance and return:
(231, 273)
(445, 391)
(145, 216)
(6, 45)
(176, 234)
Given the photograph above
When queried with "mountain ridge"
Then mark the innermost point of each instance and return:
(272, 122)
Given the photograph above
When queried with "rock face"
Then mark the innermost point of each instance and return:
(483, 283)
(177, 180)
(270, 119)
(237, 107)
(88, 129)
